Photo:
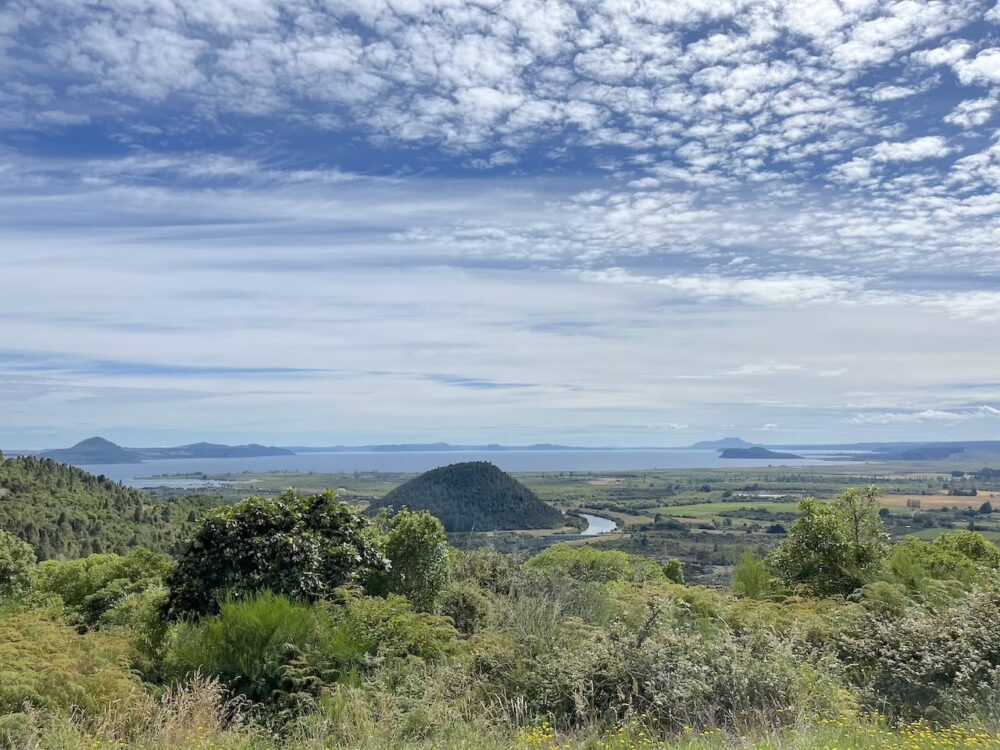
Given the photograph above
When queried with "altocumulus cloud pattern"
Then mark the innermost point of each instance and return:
(630, 161)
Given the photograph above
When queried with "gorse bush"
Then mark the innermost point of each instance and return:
(282, 653)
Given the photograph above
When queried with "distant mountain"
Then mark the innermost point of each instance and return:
(212, 450)
(473, 496)
(714, 445)
(95, 450)
(755, 452)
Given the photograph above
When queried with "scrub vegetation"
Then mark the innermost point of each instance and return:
(296, 622)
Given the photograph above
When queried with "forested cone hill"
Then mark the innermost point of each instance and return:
(64, 512)
(473, 496)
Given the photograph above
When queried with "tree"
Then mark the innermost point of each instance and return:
(417, 548)
(833, 549)
(16, 561)
(302, 547)
(986, 508)
(868, 540)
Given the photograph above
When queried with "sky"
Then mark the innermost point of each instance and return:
(603, 222)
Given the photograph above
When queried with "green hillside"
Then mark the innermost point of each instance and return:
(473, 496)
(64, 512)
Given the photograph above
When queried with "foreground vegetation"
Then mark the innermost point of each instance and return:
(295, 622)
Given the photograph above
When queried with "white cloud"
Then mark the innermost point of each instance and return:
(926, 147)
(927, 415)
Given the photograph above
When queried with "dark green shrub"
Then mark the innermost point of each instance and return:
(417, 548)
(303, 547)
(259, 647)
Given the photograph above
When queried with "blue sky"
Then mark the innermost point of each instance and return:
(610, 222)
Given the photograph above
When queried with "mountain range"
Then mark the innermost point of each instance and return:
(97, 450)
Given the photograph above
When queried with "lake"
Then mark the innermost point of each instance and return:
(410, 462)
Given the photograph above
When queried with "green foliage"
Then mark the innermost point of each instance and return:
(64, 512)
(920, 567)
(304, 547)
(473, 496)
(255, 645)
(46, 664)
(930, 659)
(417, 548)
(833, 549)
(279, 652)
(466, 605)
(90, 587)
(751, 578)
(674, 571)
(584, 563)
(16, 561)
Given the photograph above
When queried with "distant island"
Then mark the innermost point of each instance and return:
(473, 496)
(98, 450)
(755, 452)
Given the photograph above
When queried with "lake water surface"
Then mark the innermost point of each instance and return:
(140, 475)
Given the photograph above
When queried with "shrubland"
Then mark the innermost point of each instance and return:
(296, 623)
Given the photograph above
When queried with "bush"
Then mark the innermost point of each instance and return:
(917, 664)
(16, 561)
(586, 564)
(303, 547)
(751, 578)
(417, 548)
(90, 587)
(260, 647)
(466, 605)
(281, 653)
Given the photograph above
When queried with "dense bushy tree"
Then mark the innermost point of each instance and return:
(835, 548)
(417, 548)
(303, 547)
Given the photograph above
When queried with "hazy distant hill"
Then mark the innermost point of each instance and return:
(95, 450)
(473, 496)
(213, 450)
(714, 445)
(755, 452)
